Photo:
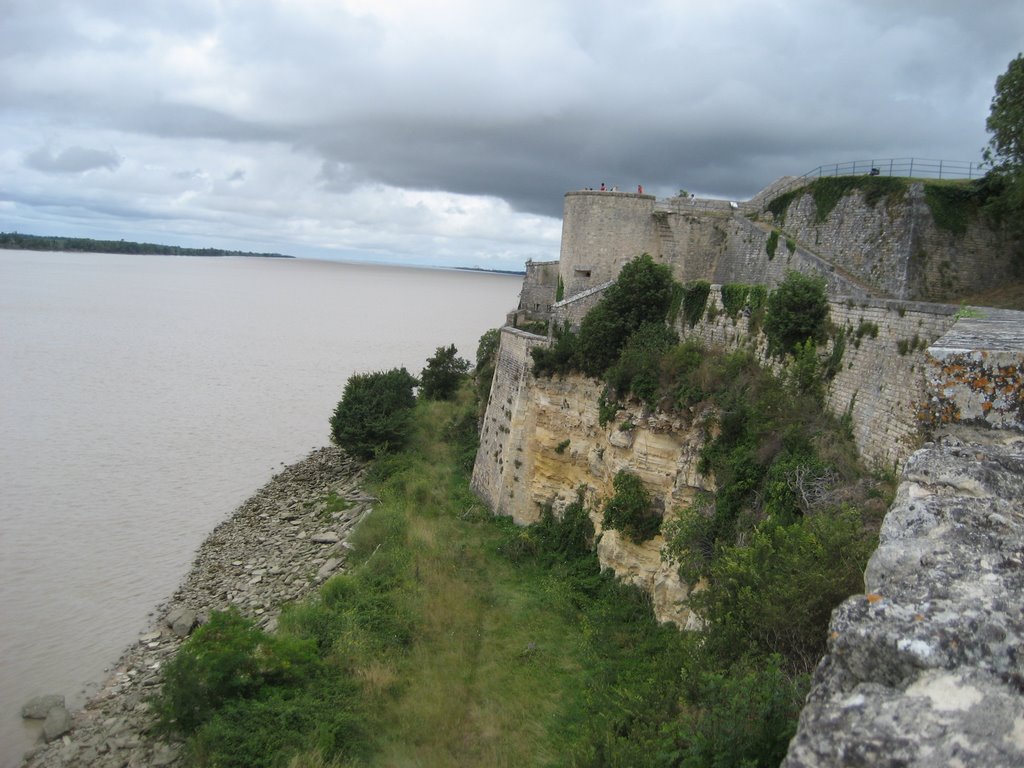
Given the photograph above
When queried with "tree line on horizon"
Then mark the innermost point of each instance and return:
(18, 241)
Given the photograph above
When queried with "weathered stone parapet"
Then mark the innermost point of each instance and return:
(574, 309)
(925, 668)
(976, 372)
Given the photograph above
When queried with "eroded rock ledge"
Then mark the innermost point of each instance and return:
(277, 547)
(927, 668)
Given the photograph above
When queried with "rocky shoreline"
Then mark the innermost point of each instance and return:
(277, 547)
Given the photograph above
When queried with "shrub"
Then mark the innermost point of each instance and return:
(776, 594)
(745, 716)
(560, 357)
(373, 414)
(637, 369)
(804, 372)
(772, 245)
(227, 659)
(440, 379)
(629, 510)
(734, 298)
(797, 311)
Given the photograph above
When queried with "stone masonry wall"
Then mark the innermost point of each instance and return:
(891, 249)
(881, 389)
(507, 406)
(540, 286)
(896, 246)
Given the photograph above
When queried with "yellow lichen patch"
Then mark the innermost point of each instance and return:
(873, 597)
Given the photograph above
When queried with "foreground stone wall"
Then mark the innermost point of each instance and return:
(925, 668)
(976, 372)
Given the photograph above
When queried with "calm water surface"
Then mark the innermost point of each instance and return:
(144, 398)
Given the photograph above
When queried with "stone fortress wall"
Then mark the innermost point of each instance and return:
(888, 249)
(923, 669)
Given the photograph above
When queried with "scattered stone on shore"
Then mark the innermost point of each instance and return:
(253, 562)
(39, 707)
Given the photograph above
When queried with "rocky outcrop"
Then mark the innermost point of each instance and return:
(277, 547)
(925, 669)
(542, 442)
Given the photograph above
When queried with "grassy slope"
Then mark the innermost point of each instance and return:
(503, 661)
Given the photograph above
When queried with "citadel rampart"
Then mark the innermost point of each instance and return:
(923, 669)
(890, 247)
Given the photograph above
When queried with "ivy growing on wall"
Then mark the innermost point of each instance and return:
(695, 298)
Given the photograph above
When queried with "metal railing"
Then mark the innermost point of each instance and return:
(913, 167)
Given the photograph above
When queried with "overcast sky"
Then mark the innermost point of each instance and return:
(446, 132)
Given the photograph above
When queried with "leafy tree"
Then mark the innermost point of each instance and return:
(797, 311)
(487, 349)
(374, 412)
(440, 379)
(642, 293)
(638, 369)
(1005, 122)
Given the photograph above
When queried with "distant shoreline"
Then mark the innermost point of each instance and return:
(16, 241)
(518, 272)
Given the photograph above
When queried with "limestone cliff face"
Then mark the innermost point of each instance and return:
(544, 444)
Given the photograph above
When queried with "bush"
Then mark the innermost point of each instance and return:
(487, 349)
(638, 369)
(486, 359)
(440, 379)
(373, 414)
(560, 358)
(226, 660)
(746, 716)
(797, 311)
(804, 372)
(776, 594)
(629, 509)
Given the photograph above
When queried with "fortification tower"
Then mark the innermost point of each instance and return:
(601, 231)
